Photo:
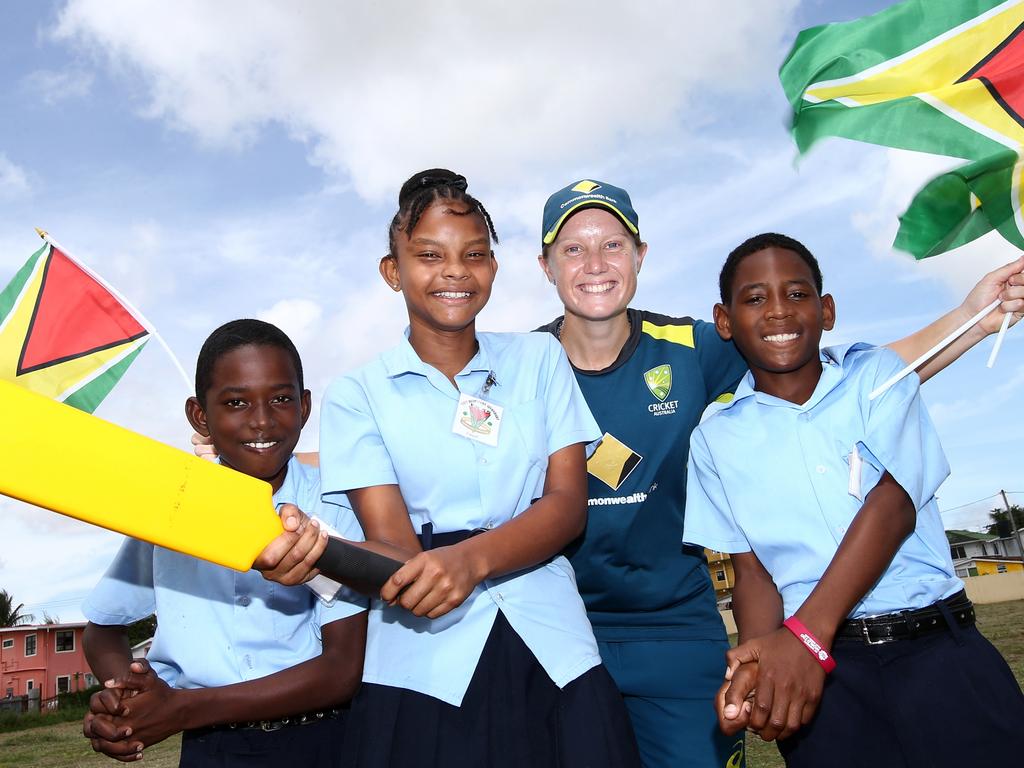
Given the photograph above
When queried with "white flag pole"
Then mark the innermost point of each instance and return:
(999, 339)
(936, 349)
(128, 305)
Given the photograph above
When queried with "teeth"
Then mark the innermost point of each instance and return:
(453, 294)
(779, 338)
(597, 288)
(261, 445)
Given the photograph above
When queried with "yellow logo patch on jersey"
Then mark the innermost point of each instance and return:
(612, 461)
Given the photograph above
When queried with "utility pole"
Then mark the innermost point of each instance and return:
(1013, 523)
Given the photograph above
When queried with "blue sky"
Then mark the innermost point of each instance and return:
(223, 160)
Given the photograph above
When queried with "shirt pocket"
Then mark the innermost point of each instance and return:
(527, 423)
(870, 470)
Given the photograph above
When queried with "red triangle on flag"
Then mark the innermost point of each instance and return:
(74, 316)
(1002, 72)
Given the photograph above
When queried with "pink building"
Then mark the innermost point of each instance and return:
(45, 656)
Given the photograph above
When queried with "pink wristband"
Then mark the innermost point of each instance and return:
(811, 643)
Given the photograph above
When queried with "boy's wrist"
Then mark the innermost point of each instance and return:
(814, 645)
(823, 628)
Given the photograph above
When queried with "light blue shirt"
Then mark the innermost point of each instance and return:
(390, 422)
(773, 477)
(217, 626)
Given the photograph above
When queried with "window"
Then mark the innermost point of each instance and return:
(719, 575)
(10, 693)
(972, 571)
(8, 643)
(1001, 568)
(30, 685)
(30, 645)
(63, 683)
(90, 680)
(65, 640)
(957, 552)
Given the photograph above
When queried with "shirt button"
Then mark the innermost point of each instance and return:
(483, 460)
(244, 600)
(841, 528)
(820, 469)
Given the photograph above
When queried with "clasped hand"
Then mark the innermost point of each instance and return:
(131, 713)
(772, 687)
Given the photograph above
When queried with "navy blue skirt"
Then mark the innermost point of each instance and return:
(513, 715)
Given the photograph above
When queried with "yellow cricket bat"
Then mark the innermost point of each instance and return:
(68, 461)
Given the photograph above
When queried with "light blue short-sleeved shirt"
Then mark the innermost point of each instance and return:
(773, 477)
(217, 626)
(390, 422)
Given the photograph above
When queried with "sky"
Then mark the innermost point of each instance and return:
(237, 159)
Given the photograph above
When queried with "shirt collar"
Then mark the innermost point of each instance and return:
(403, 359)
(832, 359)
(291, 488)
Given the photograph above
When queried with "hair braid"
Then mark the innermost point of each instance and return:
(424, 189)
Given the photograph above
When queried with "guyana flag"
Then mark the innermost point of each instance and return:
(938, 76)
(63, 334)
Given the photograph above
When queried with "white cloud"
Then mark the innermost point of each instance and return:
(985, 407)
(52, 87)
(904, 175)
(13, 179)
(299, 318)
(377, 89)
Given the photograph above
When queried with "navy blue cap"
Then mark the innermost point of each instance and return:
(586, 194)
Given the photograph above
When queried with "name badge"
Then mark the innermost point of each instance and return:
(477, 419)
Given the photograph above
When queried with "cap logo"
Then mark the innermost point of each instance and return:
(586, 187)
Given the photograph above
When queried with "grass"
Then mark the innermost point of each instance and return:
(1001, 623)
(61, 745)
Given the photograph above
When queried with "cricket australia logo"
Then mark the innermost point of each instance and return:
(659, 382)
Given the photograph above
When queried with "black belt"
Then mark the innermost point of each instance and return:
(306, 718)
(430, 540)
(906, 625)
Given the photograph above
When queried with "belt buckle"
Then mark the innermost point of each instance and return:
(865, 631)
(268, 726)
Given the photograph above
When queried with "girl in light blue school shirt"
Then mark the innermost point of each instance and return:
(463, 453)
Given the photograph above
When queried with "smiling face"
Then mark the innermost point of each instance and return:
(593, 263)
(254, 411)
(445, 268)
(776, 318)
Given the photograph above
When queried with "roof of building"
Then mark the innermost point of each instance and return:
(45, 627)
(958, 537)
(986, 559)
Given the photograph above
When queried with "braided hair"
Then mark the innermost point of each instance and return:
(425, 188)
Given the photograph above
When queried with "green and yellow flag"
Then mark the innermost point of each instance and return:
(938, 76)
(63, 334)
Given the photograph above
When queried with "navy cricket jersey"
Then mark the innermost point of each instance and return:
(637, 579)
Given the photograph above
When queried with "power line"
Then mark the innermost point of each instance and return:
(972, 503)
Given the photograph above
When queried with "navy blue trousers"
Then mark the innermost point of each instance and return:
(945, 699)
(316, 745)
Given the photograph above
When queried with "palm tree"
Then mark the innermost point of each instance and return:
(11, 615)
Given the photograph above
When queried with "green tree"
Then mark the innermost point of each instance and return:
(12, 615)
(143, 629)
(998, 516)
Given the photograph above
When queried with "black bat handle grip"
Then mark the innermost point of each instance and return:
(346, 563)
